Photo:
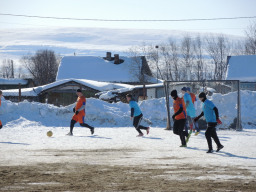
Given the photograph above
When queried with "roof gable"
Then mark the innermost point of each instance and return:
(95, 68)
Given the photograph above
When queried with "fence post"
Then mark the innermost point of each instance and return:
(166, 90)
(19, 92)
(238, 122)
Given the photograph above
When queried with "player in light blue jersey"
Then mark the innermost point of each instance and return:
(136, 115)
(211, 114)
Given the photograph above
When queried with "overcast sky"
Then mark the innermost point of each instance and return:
(132, 9)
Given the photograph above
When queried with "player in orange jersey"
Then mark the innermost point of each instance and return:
(179, 117)
(79, 115)
(0, 106)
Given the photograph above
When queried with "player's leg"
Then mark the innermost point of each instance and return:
(196, 126)
(208, 134)
(175, 127)
(83, 124)
(216, 139)
(1, 125)
(136, 122)
(72, 124)
(143, 127)
(190, 124)
(181, 125)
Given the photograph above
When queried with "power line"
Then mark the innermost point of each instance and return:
(11, 23)
(128, 20)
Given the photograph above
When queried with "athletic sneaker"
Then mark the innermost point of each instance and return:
(210, 151)
(148, 130)
(183, 146)
(219, 148)
(92, 130)
(187, 139)
(140, 135)
(70, 134)
(197, 133)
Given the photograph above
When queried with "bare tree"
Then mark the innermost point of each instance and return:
(250, 44)
(165, 52)
(154, 56)
(198, 51)
(187, 56)
(43, 66)
(7, 68)
(135, 53)
(238, 48)
(218, 48)
(174, 52)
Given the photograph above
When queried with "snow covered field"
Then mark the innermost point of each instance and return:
(32, 161)
(114, 159)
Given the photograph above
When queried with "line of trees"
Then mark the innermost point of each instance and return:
(195, 58)
(7, 69)
(43, 66)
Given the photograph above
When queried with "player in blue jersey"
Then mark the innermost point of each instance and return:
(136, 115)
(211, 114)
(191, 112)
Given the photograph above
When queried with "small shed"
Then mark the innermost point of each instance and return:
(61, 92)
(15, 83)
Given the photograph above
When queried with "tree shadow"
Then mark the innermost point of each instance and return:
(15, 143)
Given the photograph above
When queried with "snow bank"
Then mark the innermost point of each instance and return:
(103, 114)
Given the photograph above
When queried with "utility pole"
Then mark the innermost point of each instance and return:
(12, 69)
(157, 62)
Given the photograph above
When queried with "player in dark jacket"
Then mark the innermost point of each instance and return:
(211, 114)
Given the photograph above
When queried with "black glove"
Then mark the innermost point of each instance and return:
(173, 117)
(77, 112)
(196, 119)
(74, 109)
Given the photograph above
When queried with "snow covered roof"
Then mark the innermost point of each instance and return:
(100, 86)
(242, 68)
(96, 68)
(4, 81)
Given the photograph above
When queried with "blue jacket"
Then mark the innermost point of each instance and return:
(209, 113)
(191, 111)
(135, 109)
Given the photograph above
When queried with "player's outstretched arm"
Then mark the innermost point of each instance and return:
(198, 117)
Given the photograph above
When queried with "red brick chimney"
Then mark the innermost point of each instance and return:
(117, 60)
(108, 56)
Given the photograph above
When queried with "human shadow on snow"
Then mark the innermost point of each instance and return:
(155, 138)
(95, 137)
(15, 143)
(223, 153)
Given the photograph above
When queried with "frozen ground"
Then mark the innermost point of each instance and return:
(114, 159)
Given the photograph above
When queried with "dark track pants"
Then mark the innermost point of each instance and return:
(73, 122)
(136, 123)
(211, 133)
(178, 129)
